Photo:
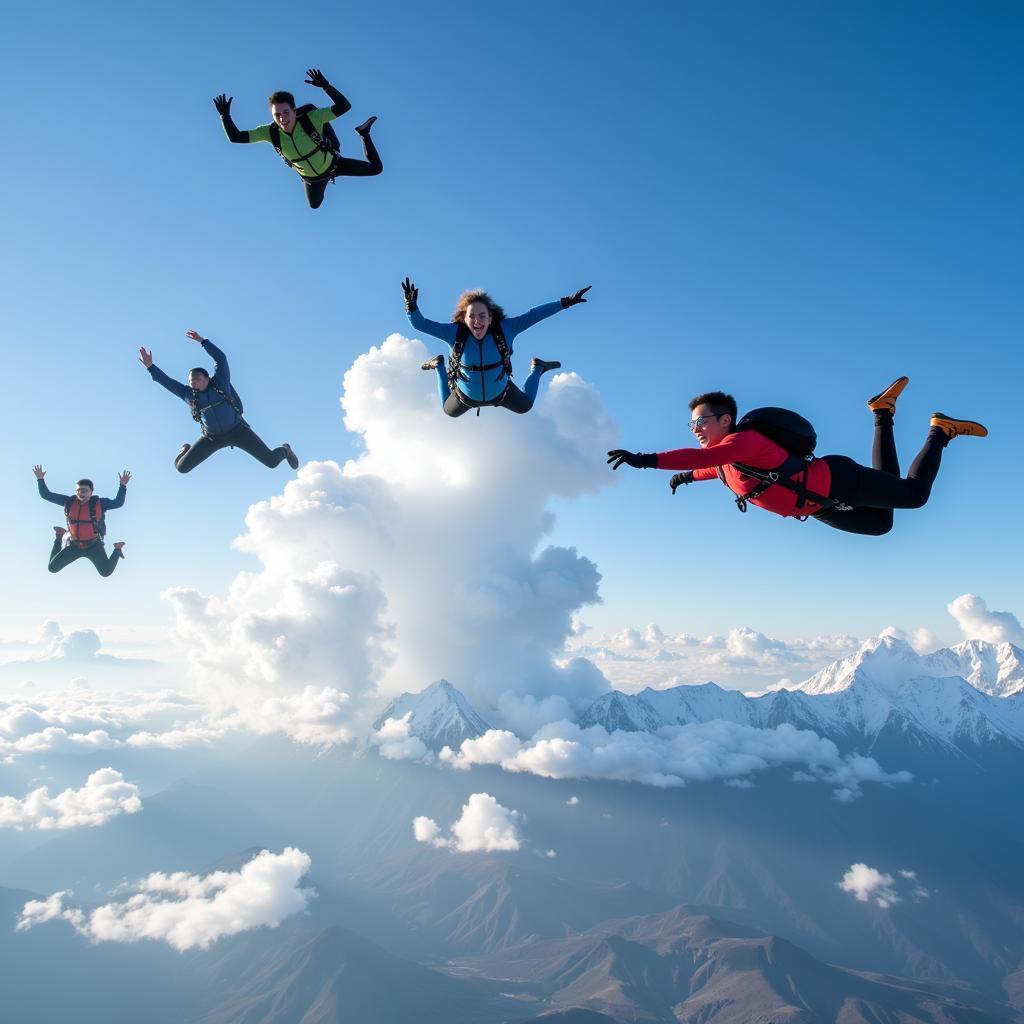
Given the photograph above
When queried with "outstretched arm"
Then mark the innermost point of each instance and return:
(118, 500)
(223, 105)
(340, 105)
(221, 369)
(517, 324)
(446, 332)
(44, 491)
(175, 387)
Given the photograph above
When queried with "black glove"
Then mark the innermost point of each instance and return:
(412, 293)
(314, 76)
(223, 104)
(572, 300)
(637, 460)
(686, 477)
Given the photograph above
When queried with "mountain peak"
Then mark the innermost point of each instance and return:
(439, 715)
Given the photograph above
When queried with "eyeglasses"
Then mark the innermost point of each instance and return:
(697, 422)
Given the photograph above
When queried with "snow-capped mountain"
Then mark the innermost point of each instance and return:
(439, 715)
(885, 688)
(995, 669)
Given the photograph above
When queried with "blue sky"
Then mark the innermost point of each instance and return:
(795, 202)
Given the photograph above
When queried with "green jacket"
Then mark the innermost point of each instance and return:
(299, 148)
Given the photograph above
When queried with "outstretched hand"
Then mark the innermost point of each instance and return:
(686, 477)
(223, 104)
(146, 357)
(314, 76)
(412, 293)
(195, 336)
(39, 471)
(124, 477)
(575, 298)
(638, 460)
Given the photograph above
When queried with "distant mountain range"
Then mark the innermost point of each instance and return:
(957, 699)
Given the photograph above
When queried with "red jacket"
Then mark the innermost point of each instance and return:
(752, 449)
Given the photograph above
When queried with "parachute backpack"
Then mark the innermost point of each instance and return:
(325, 141)
(96, 520)
(456, 369)
(791, 431)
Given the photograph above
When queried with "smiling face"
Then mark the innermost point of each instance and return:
(283, 115)
(478, 319)
(83, 492)
(712, 428)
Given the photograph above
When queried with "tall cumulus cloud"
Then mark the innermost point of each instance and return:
(422, 558)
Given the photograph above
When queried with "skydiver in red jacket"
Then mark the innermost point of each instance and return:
(855, 499)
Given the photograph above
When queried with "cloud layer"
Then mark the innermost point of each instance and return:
(673, 756)
(485, 826)
(105, 795)
(189, 911)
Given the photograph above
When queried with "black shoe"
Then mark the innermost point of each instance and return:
(364, 128)
(544, 365)
(184, 448)
(433, 364)
(293, 459)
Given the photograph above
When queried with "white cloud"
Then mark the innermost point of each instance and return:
(865, 884)
(742, 657)
(105, 795)
(56, 739)
(924, 641)
(422, 558)
(978, 623)
(397, 743)
(573, 801)
(673, 756)
(189, 911)
(81, 721)
(53, 652)
(524, 714)
(485, 826)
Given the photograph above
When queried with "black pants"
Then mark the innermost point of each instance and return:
(61, 558)
(344, 167)
(875, 492)
(512, 398)
(241, 436)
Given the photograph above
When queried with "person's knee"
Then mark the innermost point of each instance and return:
(314, 200)
(53, 568)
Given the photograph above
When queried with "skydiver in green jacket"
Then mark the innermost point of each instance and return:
(304, 138)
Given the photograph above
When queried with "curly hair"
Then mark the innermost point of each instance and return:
(467, 298)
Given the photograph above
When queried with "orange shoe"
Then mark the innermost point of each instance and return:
(886, 400)
(952, 428)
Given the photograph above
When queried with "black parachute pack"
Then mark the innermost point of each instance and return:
(791, 431)
(96, 518)
(230, 396)
(325, 141)
(457, 369)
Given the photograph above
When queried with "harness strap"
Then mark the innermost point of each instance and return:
(782, 476)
